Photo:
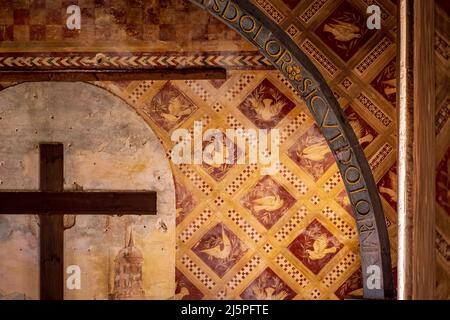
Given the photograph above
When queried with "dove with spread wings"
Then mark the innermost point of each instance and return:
(266, 108)
(320, 248)
(269, 203)
(221, 250)
(175, 110)
(316, 150)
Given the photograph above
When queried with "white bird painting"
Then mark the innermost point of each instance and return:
(175, 110)
(320, 248)
(343, 31)
(221, 250)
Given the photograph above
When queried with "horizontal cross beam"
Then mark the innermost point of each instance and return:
(115, 74)
(79, 203)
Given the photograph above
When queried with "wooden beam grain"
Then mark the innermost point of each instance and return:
(51, 203)
(80, 203)
(424, 219)
(51, 179)
(417, 152)
(114, 74)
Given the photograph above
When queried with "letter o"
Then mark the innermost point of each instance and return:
(242, 23)
(269, 45)
(362, 207)
(353, 176)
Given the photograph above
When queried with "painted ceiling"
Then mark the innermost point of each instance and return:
(272, 248)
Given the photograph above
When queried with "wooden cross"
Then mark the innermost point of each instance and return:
(51, 203)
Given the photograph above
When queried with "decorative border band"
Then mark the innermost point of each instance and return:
(246, 60)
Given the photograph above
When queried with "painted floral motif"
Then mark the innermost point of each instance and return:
(185, 201)
(315, 246)
(345, 31)
(312, 153)
(170, 107)
(220, 249)
(268, 286)
(268, 201)
(185, 290)
(388, 187)
(365, 133)
(266, 106)
(386, 83)
(443, 182)
(294, 73)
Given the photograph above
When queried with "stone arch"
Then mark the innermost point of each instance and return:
(108, 146)
(278, 47)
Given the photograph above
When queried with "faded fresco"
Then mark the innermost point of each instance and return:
(107, 147)
(239, 235)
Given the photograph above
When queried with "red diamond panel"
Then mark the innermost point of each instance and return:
(220, 249)
(268, 201)
(315, 246)
(170, 107)
(364, 132)
(219, 153)
(345, 30)
(266, 106)
(311, 152)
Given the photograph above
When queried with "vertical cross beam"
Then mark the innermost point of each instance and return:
(51, 226)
